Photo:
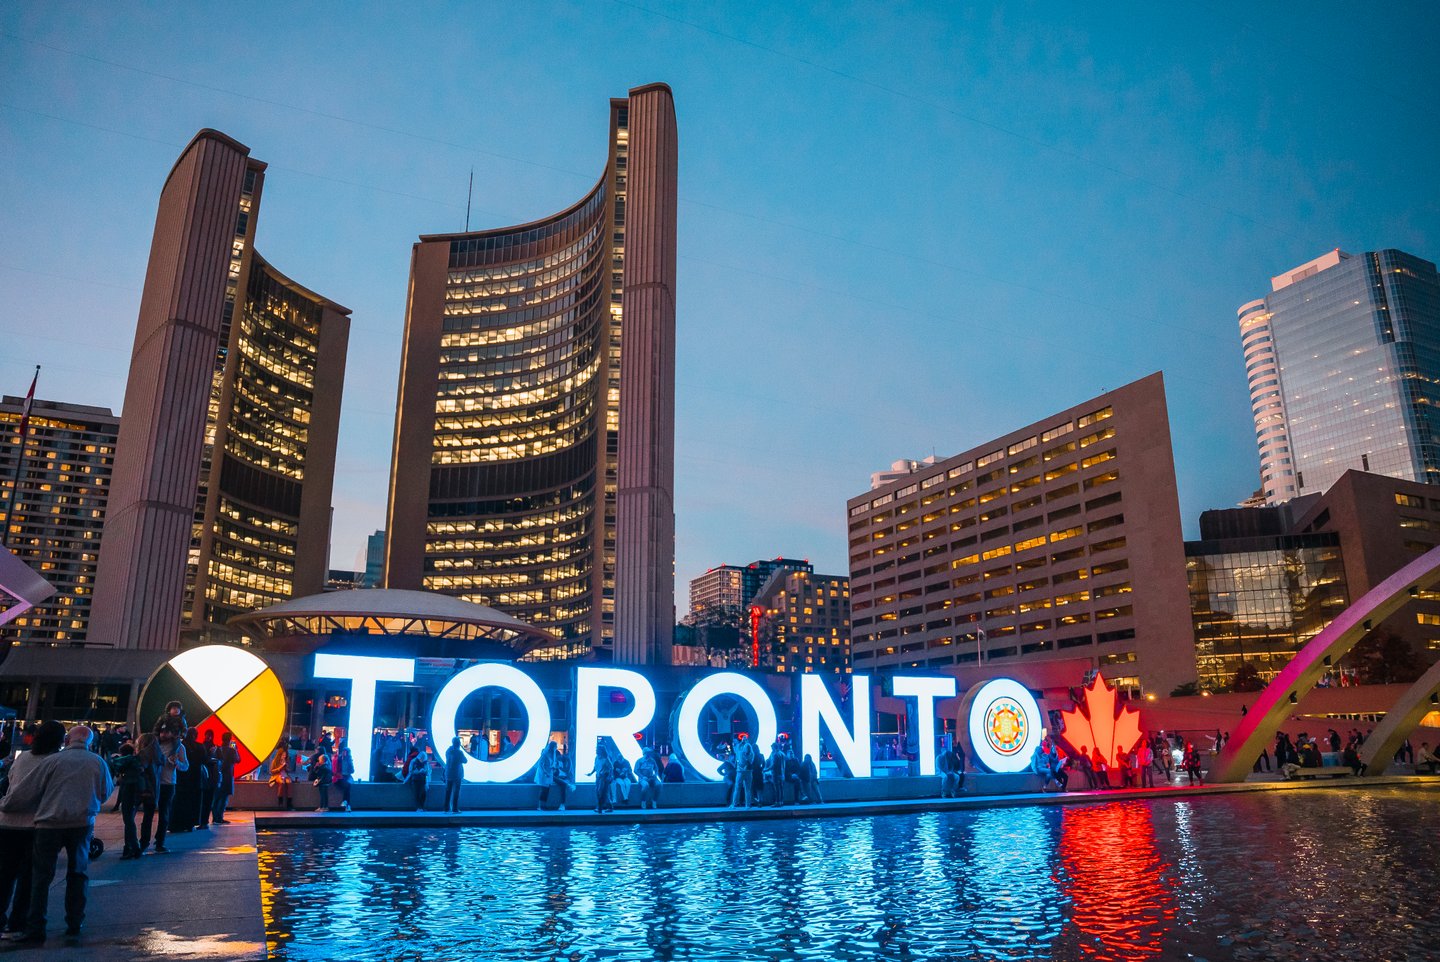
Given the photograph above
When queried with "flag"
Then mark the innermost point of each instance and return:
(25, 410)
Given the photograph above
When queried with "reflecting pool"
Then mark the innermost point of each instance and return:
(1317, 874)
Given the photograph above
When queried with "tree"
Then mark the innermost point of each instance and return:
(1385, 658)
(1189, 688)
(1247, 678)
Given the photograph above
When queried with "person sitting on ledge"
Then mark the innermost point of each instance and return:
(647, 771)
(1426, 759)
(1083, 764)
(775, 775)
(1046, 763)
(674, 771)
(622, 776)
(951, 776)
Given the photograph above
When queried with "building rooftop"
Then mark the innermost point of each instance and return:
(438, 626)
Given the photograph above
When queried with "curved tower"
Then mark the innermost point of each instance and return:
(1267, 403)
(534, 435)
(220, 496)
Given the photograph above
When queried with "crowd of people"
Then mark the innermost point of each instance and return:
(1156, 754)
(171, 779)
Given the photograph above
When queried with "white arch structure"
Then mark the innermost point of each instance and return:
(1273, 705)
(1399, 722)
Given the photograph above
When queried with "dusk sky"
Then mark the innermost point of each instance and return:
(904, 229)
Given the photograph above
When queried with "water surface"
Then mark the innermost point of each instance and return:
(1319, 874)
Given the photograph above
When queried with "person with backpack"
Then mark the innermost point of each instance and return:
(745, 763)
(550, 773)
(138, 777)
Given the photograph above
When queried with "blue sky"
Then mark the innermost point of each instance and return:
(904, 228)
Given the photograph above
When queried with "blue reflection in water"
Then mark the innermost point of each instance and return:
(1263, 876)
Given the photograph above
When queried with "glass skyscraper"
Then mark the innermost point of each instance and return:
(1343, 363)
(533, 464)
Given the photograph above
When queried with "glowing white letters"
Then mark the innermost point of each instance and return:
(816, 704)
(1004, 725)
(706, 690)
(519, 684)
(620, 729)
(925, 691)
(363, 672)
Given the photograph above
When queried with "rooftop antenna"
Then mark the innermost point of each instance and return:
(469, 192)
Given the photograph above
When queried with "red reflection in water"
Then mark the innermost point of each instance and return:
(1112, 875)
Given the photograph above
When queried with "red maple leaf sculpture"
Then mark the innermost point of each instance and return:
(1102, 723)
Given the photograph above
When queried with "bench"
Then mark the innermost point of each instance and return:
(1325, 771)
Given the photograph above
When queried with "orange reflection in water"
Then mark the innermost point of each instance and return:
(1113, 878)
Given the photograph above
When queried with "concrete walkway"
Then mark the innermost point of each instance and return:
(512, 818)
(199, 901)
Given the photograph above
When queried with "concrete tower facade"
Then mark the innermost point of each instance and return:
(226, 451)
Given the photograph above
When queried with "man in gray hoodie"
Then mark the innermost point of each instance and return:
(66, 791)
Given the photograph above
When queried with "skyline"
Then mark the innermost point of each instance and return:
(761, 236)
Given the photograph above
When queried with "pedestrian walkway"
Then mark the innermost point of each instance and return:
(200, 901)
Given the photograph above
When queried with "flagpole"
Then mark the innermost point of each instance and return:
(19, 461)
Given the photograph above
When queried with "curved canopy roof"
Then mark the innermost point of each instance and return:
(432, 624)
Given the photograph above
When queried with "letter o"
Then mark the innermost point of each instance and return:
(519, 684)
(708, 689)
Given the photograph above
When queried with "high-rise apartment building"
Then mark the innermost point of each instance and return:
(1343, 363)
(1060, 540)
(53, 519)
(533, 466)
(806, 621)
(220, 500)
(735, 586)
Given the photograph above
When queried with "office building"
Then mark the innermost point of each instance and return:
(805, 625)
(52, 520)
(533, 466)
(1057, 541)
(220, 498)
(1265, 580)
(1343, 362)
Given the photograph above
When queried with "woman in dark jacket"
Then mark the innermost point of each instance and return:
(189, 786)
(17, 829)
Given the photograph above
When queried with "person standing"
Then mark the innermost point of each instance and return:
(211, 782)
(185, 805)
(344, 766)
(418, 778)
(744, 775)
(810, 781)
(1145, 758)
(1192, 765)
(17, 829)
(280, 777)
(227, 756)
(550, 773)
(173, 761)
(319, 772)
(135, 777)
(604, 773)
(65, 793)
(454, 775)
